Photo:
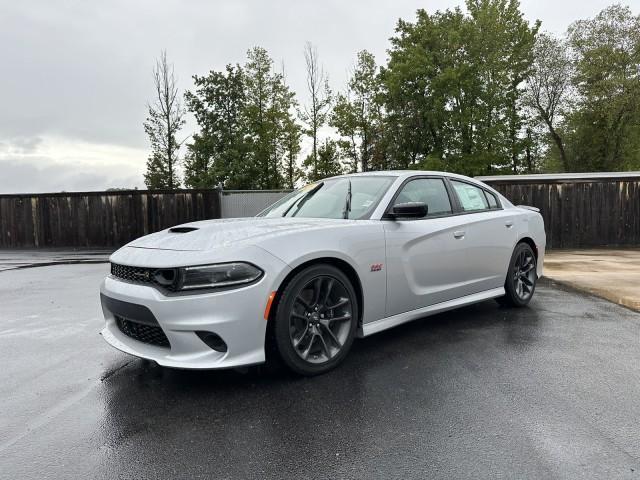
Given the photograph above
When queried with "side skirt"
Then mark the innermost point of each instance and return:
(389, 322)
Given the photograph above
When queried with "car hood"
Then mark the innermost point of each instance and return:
(213, 234)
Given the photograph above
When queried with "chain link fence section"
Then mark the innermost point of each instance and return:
(248, 203)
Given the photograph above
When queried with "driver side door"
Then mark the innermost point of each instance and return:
(426, 257)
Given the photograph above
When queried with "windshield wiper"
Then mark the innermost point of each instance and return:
(302, 200)
(347, 201)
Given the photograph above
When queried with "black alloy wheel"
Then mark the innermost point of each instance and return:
(316, 320)
(522, 277)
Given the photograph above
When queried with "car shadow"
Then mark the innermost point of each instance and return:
(513, 326)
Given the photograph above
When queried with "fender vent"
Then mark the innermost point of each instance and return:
(182, 229)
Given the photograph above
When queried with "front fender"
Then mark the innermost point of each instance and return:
(360, 244)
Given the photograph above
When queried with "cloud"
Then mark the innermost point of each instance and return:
(44, 175)
(20, 145)
(81, 71)
(49, 164)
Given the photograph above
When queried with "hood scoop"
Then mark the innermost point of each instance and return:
(182, 229)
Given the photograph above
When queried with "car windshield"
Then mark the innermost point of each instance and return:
(329, 199)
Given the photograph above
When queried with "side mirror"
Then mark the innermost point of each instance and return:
(409, 210)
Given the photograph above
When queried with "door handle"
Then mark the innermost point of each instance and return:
(508, 224)
(459, 234)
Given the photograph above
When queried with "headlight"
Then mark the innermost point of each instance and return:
(218, 275)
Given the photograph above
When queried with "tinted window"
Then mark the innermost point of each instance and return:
(471, 197)
(493, 202)
(428, 190)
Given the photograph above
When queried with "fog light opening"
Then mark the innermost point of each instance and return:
(213, 341)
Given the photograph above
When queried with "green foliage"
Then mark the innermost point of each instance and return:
(454, 88)
(158, 175)
(327, 163)
(248, 134)
(292, 138)
(586, 91)
(219, 148)
(476, 92)
(358, 117)
(604, 129)
(548, 95)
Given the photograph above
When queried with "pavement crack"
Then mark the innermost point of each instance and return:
(53, 263)
(46, 417)
(113, 371)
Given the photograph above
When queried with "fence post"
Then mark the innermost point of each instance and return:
(219, 189)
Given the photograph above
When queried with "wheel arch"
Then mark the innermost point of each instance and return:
(341, 264)
(529, 241)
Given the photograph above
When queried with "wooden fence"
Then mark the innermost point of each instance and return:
(580, 210)
(98, 219)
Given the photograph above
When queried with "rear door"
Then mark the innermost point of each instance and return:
(426, 258)
(489, 235)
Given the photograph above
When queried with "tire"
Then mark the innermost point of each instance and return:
(520, 283)
(316, 320)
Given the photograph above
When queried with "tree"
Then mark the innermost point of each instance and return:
(247, 131)
(328, 162)
(502, 46)
(166, 118)
(260, 114)
(415, 95)
(549, 87)
(219, 149)
(315, 113)
(453, 88)
(604, 129)
(270, 103)
(292, 137)
(358, 114)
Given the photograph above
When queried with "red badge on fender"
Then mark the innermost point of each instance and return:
(376, 267)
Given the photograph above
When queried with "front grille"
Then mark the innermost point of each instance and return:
(163, 278)
(143, 333)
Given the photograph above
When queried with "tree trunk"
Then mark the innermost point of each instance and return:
(558, 141)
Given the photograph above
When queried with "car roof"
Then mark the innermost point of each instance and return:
(404, 174)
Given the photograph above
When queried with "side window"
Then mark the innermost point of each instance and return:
(471, 197)
(431, 191)
(493, 202)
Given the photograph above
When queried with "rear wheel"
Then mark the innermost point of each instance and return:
(316, 320)
(521, 278)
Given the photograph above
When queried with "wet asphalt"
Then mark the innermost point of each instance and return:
(549, 391)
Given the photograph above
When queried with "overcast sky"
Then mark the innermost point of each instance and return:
(76, 75)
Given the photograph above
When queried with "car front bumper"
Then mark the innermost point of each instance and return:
(236, 316)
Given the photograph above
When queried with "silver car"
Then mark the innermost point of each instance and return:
(341, 258)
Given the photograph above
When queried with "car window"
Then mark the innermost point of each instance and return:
(471, 197)
(493, 202)
(327, 198)
(431, 191)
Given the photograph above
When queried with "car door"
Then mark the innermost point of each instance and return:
(489, 235)
(426, 259)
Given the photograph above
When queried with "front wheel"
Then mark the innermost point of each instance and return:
(316, 320)
(522, 277)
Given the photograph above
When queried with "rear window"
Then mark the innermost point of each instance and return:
(471, 198)
(491, 198)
